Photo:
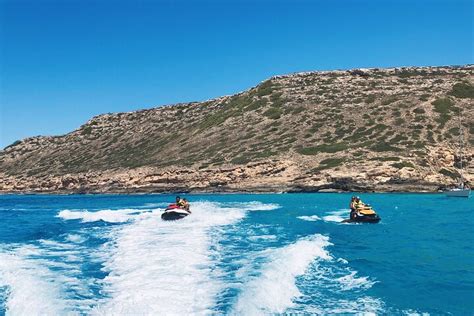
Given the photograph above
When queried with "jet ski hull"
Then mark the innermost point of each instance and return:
(173, 214)
(363, 219)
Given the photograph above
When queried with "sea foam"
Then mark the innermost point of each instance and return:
(273, 290)
(110, 216)
(312, 218)
(30, 287)
(158, 267)
(336, 216)
(44, 280)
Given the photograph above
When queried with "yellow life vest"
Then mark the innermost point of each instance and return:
(359, 204)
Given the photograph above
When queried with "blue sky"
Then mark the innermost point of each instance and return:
(62, 62)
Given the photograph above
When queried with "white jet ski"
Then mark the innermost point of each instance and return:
(174, 212)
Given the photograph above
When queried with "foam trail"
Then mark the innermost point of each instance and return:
(312, 218)
(110, 216)
(351, 281)
(257, 206)
(47, 278)
(165, 268)
(362, 306)
(273, 291)
(337, 216)
(31, 287)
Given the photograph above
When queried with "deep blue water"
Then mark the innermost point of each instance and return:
(236, 254)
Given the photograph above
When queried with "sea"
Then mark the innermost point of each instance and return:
(236, 254)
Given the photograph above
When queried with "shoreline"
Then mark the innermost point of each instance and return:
(138, 193)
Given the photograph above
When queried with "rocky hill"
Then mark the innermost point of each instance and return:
(365, 129)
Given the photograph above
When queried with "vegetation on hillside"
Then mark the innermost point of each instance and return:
(326, 119)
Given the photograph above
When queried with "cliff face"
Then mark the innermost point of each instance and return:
(366, 129)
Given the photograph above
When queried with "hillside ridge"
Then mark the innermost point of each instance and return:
(367, 129)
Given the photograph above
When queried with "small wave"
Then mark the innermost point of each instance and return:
(110, 216)
(263, 237)
(351, 281)
(75, 238)
(342, 260)
(336, 216)
(411, 312)
(155, 205)
(253, 206)
(312, 218)
(362, 306)
(274, 289)
(328, 283)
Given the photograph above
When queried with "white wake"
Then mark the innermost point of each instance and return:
(273, 291)
(166, 268)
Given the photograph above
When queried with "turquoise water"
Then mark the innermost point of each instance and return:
(236, 254)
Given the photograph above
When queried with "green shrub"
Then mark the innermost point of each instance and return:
(332, 162)
(443, 105)
(429, 136)
(462, 90)
(214, 119)
(403, 164)
(397, 139)
(240, 160)
(453, 175)
(389, 99)
(418, 144)
(383, 146)
(255, 105)
(328, 163)
(424, 97)
(454, 131)
(316, 127)
(265, 88)
(298, 110)
(275, 96)
(273, 113)
(13, 144)
(370, 99)
(86, 130)
(385, 158)
(411, 73)
(264, 154)
(326, 148)
(419, 111)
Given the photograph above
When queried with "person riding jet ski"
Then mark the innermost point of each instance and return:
(178, 210)
(361, 212)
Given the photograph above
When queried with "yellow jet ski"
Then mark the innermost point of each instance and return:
(364, 214)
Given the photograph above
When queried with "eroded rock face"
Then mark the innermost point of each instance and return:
(365, 129)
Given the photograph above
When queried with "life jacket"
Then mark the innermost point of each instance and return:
(353, 206)
(359, 204)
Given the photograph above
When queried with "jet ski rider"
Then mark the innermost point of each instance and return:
(179, 201)
(183, 204)
(356, 204)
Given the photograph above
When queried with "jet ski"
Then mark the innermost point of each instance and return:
(174, 212)
(364, 215)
